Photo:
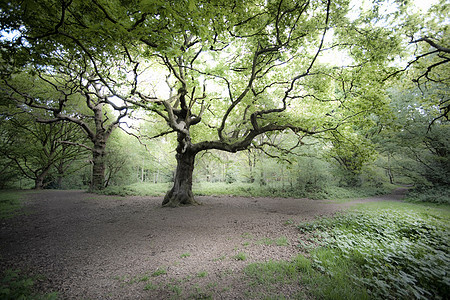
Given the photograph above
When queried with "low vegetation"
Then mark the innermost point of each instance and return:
(16, 286)
(9, 204)
(380, 251)
(250, 190)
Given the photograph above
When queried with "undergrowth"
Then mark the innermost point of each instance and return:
(394, 251)
(439, 194)
(383, 250)
(247, 190)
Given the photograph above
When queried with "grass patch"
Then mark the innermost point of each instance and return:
(10, 204)
(240, 256)
(185, 255)
(223, 257)
(202, 274)
(281, 241)
(15, 286)
(137, 189)
(159, 272)
(150, 287)
(272, 272)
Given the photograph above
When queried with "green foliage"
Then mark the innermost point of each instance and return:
(10, 204)
(435, 194)
(397, 251)
(15, 286)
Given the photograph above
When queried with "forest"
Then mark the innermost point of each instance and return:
(181, 100)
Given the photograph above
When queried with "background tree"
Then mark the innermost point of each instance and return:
(36, 149)
(427, 47)
(417, 140)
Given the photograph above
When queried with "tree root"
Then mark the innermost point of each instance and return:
(180, 198)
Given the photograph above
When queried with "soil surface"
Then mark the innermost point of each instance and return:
(88, 246)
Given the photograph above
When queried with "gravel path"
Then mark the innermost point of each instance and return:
(88, 246)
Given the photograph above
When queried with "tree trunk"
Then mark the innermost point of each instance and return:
(181, 192)
(39, 180)
(98, 168)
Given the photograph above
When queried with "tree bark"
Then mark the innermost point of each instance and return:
(39, 182)
(98, 168)
(181, 192)
(40, 177)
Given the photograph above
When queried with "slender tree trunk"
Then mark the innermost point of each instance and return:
(389, 170)
(181, 192)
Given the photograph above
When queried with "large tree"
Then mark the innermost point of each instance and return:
(264, 72)
(235, 70)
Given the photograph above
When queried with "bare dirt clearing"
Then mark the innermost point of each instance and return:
(88, 246)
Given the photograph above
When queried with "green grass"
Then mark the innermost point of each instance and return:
(159, 272)
(281, 241)
(150, 287)
(247, 190)
(10, 204)
(185, 255)
(16, 286)
(137, 189)
(240, 256)
(202, 274)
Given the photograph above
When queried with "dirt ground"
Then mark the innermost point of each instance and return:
(87, 246)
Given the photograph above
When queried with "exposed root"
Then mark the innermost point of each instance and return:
(180, 198)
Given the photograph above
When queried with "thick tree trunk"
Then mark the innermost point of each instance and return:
(39, 180)
(181, 192)
(98, 168)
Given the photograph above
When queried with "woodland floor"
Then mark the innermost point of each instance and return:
(87, 246)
